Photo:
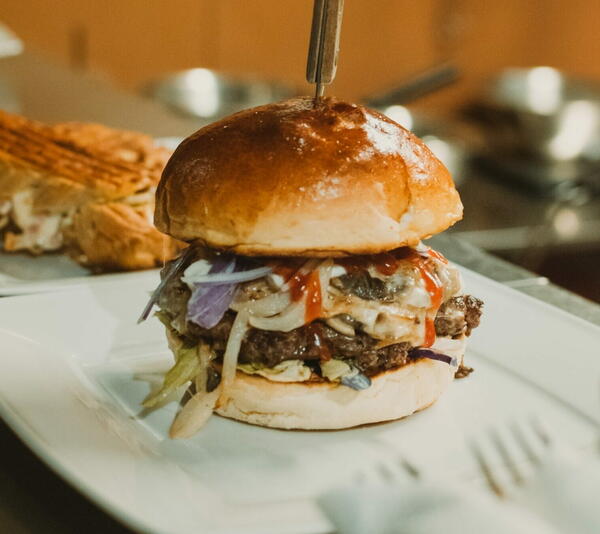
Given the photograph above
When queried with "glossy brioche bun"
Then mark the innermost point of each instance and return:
(306, 179)
(326, 406)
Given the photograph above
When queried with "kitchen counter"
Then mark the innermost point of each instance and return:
(33, 500)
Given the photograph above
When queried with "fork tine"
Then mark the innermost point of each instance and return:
(525, 443)
(485, 468)
(506, 456)
(540, 431)
(410, 468)
(394, 463)
(385, 472)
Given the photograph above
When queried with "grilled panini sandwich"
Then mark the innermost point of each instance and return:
(83, 188)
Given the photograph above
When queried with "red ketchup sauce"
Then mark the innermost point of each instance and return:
(385, 263)
(285, 271)
(432, 283)
(301, 284)
(436, 291)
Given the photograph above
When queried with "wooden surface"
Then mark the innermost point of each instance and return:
(383, 41)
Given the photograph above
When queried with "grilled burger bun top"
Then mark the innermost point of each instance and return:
(299, 178)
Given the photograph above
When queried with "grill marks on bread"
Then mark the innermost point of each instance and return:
(96, 182)
(39, 149)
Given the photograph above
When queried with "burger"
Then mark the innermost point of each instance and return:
(306, 298)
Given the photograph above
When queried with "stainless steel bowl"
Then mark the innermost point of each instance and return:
(540, 124)
(210, 95)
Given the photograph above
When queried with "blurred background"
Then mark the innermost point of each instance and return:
(506, 93)
(133, 41)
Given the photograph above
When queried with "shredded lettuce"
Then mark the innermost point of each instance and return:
(286, 371)
(187, 366)
(334, 369)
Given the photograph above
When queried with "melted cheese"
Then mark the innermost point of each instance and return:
(398, 321)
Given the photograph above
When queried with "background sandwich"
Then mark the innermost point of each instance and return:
(83, 188)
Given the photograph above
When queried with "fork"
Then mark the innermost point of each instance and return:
(533, 443)
(539, 472)
(390, 467)
(392, 495)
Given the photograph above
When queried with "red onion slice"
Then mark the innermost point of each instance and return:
(208, 303)
(433, 355)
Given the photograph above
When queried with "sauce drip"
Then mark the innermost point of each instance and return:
(429, 332)
(307, 284)
(435, 289)
(313, 297)
(385, 263)
(432, 282)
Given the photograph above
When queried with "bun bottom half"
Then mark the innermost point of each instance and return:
(325, 406)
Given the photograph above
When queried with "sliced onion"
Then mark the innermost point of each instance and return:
(433, 355)
(267, 306)
(232, 351)
(230, 277)
(195, 269)
(325, 270)
(341, 326)
(194, 414)
(292, 317)
(306, 268)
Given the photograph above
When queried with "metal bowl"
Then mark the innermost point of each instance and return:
(210, 95)
(540, 123)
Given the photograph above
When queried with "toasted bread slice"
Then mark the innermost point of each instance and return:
(71, 184)
(116, 236)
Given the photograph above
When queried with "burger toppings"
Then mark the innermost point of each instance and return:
(208, 303)
(433, 355)
(340, 320)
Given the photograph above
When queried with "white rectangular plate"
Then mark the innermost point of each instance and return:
(24, 274)
(74, 367)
